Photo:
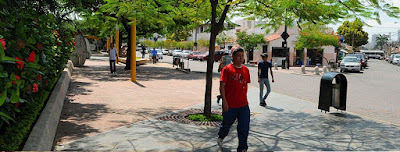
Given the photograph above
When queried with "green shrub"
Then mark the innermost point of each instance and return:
(12, 137)
(201, 117)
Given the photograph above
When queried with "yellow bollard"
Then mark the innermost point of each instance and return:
(133, 51)
(117, 43)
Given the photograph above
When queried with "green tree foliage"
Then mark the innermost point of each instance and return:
(315, 37)
(149, 43)
(353, 33)
(382, 40)
(170, 44)
(249, 42)
(222, 38)
(203, 43)
(290, 12)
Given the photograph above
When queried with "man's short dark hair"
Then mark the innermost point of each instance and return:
(237, 50)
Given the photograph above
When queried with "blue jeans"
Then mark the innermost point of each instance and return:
(264, 81)
(243, 116)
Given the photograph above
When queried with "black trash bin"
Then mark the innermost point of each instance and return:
(333, 91)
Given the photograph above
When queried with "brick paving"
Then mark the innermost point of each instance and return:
(97, 102)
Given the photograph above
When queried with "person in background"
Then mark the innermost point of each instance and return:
(263, 67)
(154, 56)
(113, 55)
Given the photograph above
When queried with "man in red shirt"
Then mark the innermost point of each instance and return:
(233, 87)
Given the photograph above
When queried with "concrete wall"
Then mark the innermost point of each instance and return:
(42, 135)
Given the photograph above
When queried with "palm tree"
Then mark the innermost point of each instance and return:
(382, 40)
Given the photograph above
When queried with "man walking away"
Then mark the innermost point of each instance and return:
(263, 67)
(113, 54)
(233, 87)
(154, 55)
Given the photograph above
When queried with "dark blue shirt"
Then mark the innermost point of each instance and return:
(264, 66)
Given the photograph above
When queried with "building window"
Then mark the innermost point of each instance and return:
(278, 52)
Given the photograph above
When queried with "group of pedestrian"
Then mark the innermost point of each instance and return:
(233, 88)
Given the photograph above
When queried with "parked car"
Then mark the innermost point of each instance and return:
(185, 54)
(164, 51)
(361, 57)
(396, 58)
(177, 53)
(193, 55)
(202, 57)
(390, 58)
(159, 54)
(170, 52)
(350, 64)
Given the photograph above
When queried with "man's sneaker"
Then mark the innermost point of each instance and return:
(263, 104)
(220, 142)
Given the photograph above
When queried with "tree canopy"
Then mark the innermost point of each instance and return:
(353, 33)
(315, 37)
(249, 42)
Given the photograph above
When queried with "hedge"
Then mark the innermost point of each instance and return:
(12, 137)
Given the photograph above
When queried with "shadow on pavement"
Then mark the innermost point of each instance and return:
(277, 132)
(143, 73)
(273, 108)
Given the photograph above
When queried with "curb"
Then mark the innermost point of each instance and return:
(43, 133)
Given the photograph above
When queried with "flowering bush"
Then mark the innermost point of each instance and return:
(34, 47)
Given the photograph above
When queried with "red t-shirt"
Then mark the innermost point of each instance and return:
(236, 80)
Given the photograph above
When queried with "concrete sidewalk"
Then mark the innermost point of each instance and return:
(286, 124)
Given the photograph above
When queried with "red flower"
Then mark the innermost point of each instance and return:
(16, 105)
(46, 83)
(18, 78)
(20, 64)
(58, 35)
(35, 87)
(3, 42)
(31, 57)
(73, 42)
(39, 77)
(58, 43)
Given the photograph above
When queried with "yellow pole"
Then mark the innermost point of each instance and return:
(133, 51)
(108, 45)
(117, 42)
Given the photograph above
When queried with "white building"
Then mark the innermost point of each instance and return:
(273, 46)
(373, 42)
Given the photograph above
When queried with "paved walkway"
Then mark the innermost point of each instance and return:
(97, 102)
(287, 124)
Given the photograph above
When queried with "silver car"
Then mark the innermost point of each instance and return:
(177, 53)
(185, 53)
(350, 64)
(396, 59)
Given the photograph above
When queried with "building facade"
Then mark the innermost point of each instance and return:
(273, 46)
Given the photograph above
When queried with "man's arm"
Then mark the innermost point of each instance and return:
(225, 106)
(272, 75)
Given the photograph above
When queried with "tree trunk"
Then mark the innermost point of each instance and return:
(128, 51)
(215, 28)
